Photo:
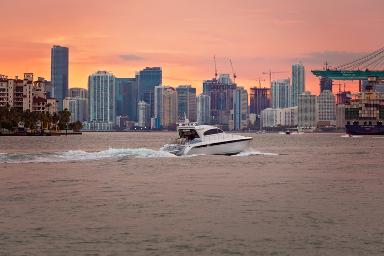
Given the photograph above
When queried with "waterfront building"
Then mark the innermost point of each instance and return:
(144, 114)
(26, 94)
(281, 93)
(101, 90)
(327, 108)
(221, 93)
(260, 99)
(298, 82)
(79, 97)
(59, 73)
(147, 79)
(186, 103)
(78, 107)
(126, 98)
(279, 118)
(307, 111)
(325, 84)
(340, 116)
(203, 109)
(122, 122)
(239, 112)
(165, 102)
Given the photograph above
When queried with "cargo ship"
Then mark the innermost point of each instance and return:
(364, 114)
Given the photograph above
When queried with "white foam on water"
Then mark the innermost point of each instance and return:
(255, 153)
(350, 136)
(80, 155)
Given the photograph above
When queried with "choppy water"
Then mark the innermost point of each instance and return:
(117, 194)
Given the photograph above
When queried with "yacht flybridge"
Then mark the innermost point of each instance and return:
(205, 139)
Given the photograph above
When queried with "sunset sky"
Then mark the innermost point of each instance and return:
(181, 36)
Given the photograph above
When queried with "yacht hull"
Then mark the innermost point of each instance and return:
(228, 147)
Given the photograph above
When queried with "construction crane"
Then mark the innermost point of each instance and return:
(272, 72)
(214, 59)
(260, 81)
(233, 71)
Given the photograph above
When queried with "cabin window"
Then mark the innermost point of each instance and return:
(213, 131)
(188, 134)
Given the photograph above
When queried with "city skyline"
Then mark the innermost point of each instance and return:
(185, 49)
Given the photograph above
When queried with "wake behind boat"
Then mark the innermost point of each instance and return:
(205, 139)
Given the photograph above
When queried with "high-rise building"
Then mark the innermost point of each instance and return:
(26, 94)
(147, 79)
(203, 109)
(144, 111)
(326, 84)
(298, 82)
(221, 94)
(59, 73)
(307, 111)
(78, 92)
(279, 118)
(126, 98)
(77, 104)
(327, 108)
(186, 103)
(239, 112)
(165, 103)
(281, 93)
(102, 110)
(260, 99)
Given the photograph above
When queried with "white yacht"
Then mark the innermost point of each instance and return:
(205, 139)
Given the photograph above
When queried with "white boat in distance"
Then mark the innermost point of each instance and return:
(206, 140)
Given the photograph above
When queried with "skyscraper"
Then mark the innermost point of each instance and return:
(126, 98)
(326, 84)
(101, 87)
(77, 104)
(307, 111)
(144, 117)
(186, 102)
(147, 79)
(203, 109)
(281, 93)
(165, 107)
(239, 112)
(59, 73)
(327, 107)
(78, 92)
(221, 94)
(298, 82)
(260, 99)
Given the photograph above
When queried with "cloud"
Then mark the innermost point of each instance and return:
(130, 57)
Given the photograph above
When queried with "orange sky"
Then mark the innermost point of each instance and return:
(123, 36)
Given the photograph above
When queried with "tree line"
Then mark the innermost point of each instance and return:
(11, 117)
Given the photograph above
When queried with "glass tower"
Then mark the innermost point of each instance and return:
(298, 83)
(147, 79)
(59, 73)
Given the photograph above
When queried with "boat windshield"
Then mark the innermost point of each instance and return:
(188, 134)
(213, 131)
